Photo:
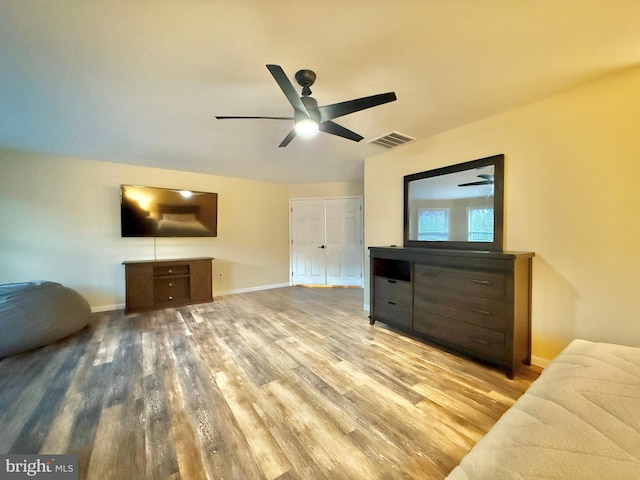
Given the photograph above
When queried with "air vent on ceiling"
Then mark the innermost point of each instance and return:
(391, 139)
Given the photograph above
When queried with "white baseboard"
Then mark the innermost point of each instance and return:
(107, 308)
(250, 289)
(539, 361)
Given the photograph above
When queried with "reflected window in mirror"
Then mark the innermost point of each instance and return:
(433, 223)
(480, 224)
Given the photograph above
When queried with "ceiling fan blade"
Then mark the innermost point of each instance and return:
(483, 182)
(335, 110)
(290, 136)
(335, 129)
(221, 117)
(287, 88)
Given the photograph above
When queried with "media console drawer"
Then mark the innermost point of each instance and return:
(171, 289)
(167, 283)
(165, 270)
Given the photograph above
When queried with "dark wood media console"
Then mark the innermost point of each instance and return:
(167, 283)
(474, 303)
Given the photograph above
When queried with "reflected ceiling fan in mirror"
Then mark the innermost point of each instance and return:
(486, 180)
(308, 117)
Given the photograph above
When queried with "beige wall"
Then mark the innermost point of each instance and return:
(60, 221)
(335, 189)
(572, 190)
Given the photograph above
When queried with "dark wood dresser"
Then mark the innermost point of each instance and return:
(470, 302)
(167, 283)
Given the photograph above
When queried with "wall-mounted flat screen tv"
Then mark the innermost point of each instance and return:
(165, 212)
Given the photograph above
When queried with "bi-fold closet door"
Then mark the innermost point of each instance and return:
(327, 241)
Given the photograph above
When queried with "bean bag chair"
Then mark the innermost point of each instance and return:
(33, 314)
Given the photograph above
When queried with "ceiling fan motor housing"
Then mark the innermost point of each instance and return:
(305, 79)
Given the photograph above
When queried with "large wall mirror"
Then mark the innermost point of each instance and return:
(458, 207)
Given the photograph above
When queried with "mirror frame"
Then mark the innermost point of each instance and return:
(498, 205)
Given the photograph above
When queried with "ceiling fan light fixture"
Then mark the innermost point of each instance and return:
(307, 127)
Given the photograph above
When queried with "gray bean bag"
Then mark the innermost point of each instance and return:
(33, 314)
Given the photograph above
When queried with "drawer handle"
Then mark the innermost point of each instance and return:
(391, 303)
(171, 284)
(479, 340)
(481, 282)
(483, 312)
(170, 271)
(170, 298)
(391, 281)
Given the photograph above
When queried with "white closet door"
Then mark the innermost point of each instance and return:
(326, 241)
(307, 242)
(343, 235)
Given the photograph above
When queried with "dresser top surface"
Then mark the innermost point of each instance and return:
(412, 251)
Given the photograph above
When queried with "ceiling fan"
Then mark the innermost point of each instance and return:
(487, 180)
(308, 117)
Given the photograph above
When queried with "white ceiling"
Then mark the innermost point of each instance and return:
(139, 81)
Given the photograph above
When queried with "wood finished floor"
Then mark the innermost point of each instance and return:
(289, 383)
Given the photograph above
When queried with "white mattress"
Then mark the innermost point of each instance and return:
(579, 420)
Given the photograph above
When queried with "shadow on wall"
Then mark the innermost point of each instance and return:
(554, 320)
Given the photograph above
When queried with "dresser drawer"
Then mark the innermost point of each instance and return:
(482, 311)
(488, 284)
(397, 290)
(483, 341)
(389, 311)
